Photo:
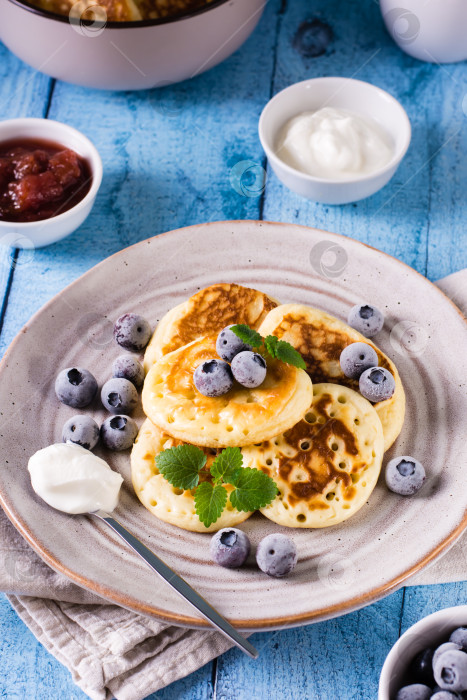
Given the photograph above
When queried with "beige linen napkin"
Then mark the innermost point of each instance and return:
(112, 652)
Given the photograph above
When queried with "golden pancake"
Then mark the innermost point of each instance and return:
(320, 338)
(327, 465)
(163, 500)
(205, 313)
(240, 417)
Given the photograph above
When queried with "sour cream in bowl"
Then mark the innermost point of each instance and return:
(334, 143)
(334, 140)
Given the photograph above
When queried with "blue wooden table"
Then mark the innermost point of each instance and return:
(168, 156)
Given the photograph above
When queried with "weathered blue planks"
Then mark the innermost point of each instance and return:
(23, 93)
(335, 659)
(168, 158)
(424, 600)
(360, 48)
(28, 670)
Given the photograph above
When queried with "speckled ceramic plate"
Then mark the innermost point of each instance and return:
(340, 568)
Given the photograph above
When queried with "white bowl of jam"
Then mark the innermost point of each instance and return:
(50, 174)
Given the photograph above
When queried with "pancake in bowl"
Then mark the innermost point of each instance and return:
(320, 339)
(94, 11)
(240, 417)
(327, 465)
(163, 500)
(207, 312)
(120, 10)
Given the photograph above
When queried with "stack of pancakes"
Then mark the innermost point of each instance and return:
(311, 431)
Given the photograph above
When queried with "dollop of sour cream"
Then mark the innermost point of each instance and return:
(74, 480)
(334, 144)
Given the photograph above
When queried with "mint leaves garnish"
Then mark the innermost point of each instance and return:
(254, 489)
(248, 335)
(286, 352)
(210, 501)
(227, 465)
(279, 349)
(181, 467)
(270, 343)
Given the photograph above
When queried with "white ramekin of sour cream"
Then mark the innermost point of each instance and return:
(334, 140)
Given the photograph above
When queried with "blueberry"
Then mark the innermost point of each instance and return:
(276, 555)
(377, 384)
(128, 367)
(132, 332)
(439, 694)
(230, 547)
(119, 395)
(118, 432)
(450, 669)
(82, 430)
(421, 668)
(249, 368)
(228, 344)
(366, 319)
(459, 636)
(442, 648)
(75, 387)
(416, 691)
(405, 475)
(356, 358)
(312, 38)
(213, 378)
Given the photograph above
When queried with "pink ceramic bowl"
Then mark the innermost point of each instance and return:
(127, 55)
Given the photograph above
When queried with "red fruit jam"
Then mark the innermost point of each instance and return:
(40, 179)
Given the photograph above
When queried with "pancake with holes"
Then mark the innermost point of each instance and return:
(320, 338)
(327, 465)
(207, 312)
(167, 503)
(240, 417)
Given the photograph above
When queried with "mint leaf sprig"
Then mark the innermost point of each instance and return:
(278, 349)
(181, 466)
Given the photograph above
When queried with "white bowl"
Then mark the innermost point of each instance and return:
(430, 631)
(430, 31)
(36, 234)
(341, 93)
(127, 55)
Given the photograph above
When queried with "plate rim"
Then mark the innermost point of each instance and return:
(283, 622)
